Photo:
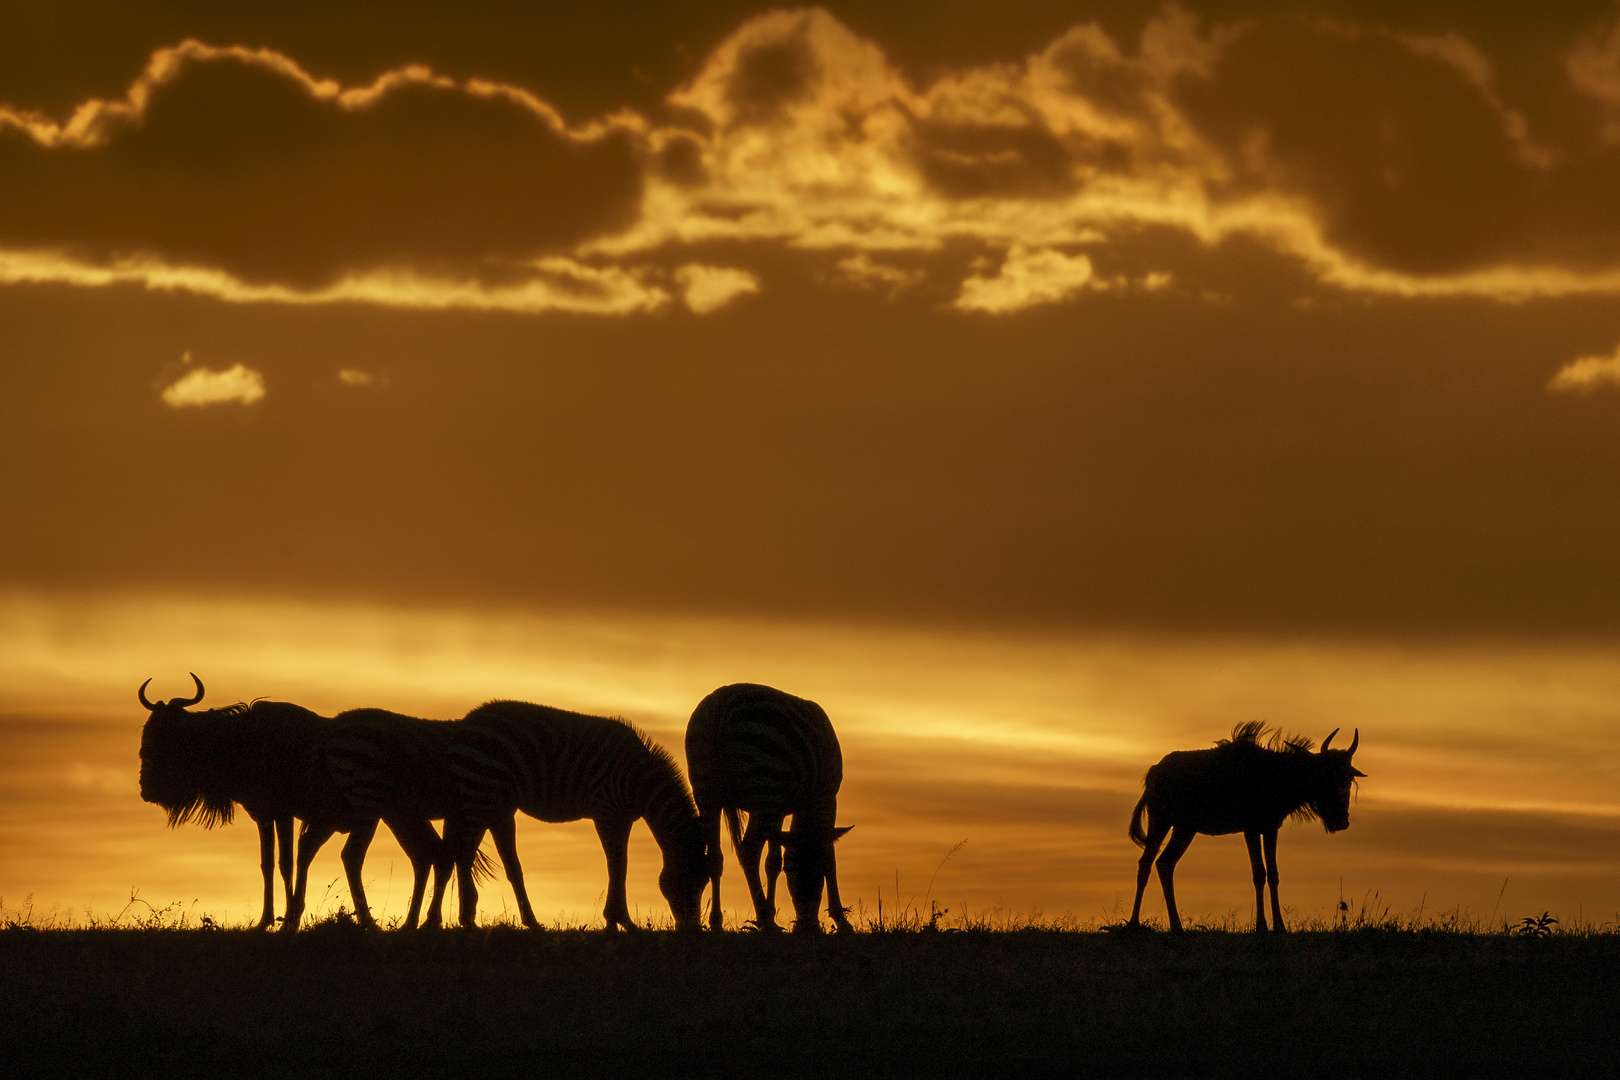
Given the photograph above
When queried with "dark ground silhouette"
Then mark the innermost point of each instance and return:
(337, 1000)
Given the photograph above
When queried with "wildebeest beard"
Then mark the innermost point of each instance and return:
(184, 766)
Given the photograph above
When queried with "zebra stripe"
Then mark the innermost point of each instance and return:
(376, 765)
(757, 750)
(558, 766)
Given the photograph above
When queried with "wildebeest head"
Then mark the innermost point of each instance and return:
(685, 876)
(1335, 778)
(179, 771)
(807, 858)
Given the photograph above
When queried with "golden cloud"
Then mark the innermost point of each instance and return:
(201, 386)
(797, 132)
(1587, 374)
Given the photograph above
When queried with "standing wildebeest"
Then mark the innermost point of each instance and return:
(271, 757)
(198, 766)
(1240, 786)
(561, 766)
(756, 750)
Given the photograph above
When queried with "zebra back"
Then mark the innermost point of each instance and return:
(755, 748)
(374, 763)
(556, 765)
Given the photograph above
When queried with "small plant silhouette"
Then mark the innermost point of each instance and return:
(1536, 926)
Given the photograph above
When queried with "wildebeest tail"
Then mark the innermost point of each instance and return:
(1139, 834)
(735, 825)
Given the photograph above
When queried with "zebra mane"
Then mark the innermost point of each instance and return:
(666, 760)
(1250, 732)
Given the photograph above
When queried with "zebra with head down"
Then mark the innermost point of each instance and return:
(755, 750)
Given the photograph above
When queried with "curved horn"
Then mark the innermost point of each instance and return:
(1354, 742)
(141, 693)
(183, 702)
(1329, 739)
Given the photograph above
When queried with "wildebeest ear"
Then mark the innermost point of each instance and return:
(1356, 772)
(840, 832)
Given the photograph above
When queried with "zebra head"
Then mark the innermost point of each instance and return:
(175, 768)
(807, 859)
(1335, 777)
(685, 876)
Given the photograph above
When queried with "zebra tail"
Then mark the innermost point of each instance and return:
(735, 825)
(1138, 834)
(482, 868)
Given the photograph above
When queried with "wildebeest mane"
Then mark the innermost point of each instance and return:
(1250, 732)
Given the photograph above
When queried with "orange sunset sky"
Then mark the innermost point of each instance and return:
(1040, 387)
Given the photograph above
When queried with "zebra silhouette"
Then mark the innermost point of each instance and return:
(1239, 786)
(561, 766)
(371, 765)
(199, 765)
(756, 750)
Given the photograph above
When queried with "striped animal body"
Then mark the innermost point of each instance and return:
(371, 765)
(564, 766)
(756, 750)
(199, 765)
(1239, 786)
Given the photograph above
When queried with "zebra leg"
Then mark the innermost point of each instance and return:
(1179, 839)
(284, 844)
(760, 826)
(465, 885)
(1252, 839)
(354, 858)
(309, 842)
(835, 907)
(709, 822)
(1271, 876)
(615, 837)
(456, 832)
(422, 846)
(1144, 865)
(773, 870)
(267, 867)
(504, 830)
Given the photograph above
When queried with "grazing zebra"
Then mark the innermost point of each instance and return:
(756, 750)
(198, 766)
(563, 766)
(1239, 786)
(371, 765)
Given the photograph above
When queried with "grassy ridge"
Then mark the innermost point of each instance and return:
(580, 1003)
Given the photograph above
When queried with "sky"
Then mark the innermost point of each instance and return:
(1041, 387)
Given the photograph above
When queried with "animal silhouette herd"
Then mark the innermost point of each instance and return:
(756, 756)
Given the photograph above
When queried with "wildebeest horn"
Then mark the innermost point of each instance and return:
(141, 693)
(1354, 742)
(183, 702)
(1328, 741)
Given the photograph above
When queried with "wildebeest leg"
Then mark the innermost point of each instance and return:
(504, 830)
(709, 821)
(835, 907)
(354, 858)
(1271, 875)
(1144, 865)
(423, 847)
(309, 842)
(1253, 840)
(284, 844)
(267, 866)
(615, 837)
(760, 826)
(1179, 839)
